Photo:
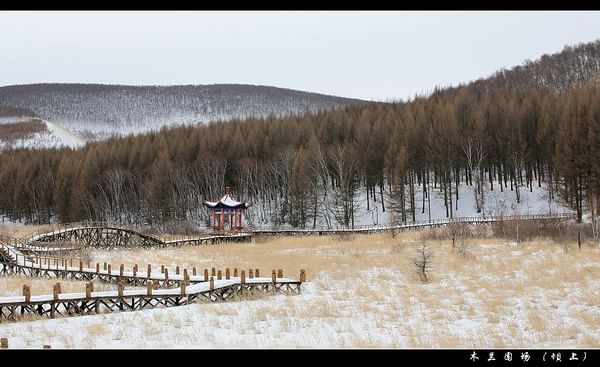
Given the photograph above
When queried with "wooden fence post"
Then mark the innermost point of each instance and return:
(250, 273)
(177, 270)
(302, 275)
(149, 271)
(149, 288)
(88, 264)
(135, 268)
(56, 291)
(205, 275)
(243, 277)
(212, 283)
(121, 269)
(80, 265)
(97, 267)
(227, 273)
(121, 288)
(219, 275)
(213, 272)
(105, 266)
(109, 268)
(166, 273)
(235, 272)
(89, 288)
(27, 293)
(162, 269)
(257, 273)
(280, 273)
(4, 343)
(194, 273)
(274, 276)
(182, 285)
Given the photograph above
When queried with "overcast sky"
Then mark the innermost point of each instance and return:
(368, 55)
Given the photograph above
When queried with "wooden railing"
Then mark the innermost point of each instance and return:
(434, 222)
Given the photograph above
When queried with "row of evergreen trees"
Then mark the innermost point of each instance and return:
(313, 166)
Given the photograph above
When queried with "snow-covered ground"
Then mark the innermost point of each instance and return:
(360, 293)
(53, 136)
(66, 137)
(496, 203)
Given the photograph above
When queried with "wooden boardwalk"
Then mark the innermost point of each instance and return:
(188, 288)
(71, 304)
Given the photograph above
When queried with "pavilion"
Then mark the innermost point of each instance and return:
(227, 213)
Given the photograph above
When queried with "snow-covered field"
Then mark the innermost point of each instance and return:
(361, 292)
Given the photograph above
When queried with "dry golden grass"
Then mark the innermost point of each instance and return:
(20, 231)
(364, 293)
(13, 285)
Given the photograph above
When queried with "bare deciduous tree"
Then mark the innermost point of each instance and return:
(422, 261)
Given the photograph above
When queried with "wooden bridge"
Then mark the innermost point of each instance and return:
(108, 235)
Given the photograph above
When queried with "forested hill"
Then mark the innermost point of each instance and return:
(95, 111)
(573, 67)
(457, 147)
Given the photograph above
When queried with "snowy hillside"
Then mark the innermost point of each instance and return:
(27, 132)
(497, 203)
(94, 111)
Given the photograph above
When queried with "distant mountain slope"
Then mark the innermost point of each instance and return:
(95, 111)
(573, 67)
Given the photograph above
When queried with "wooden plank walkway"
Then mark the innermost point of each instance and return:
(71, 304)
(189, 288)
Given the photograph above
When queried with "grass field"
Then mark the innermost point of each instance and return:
(362, 291)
